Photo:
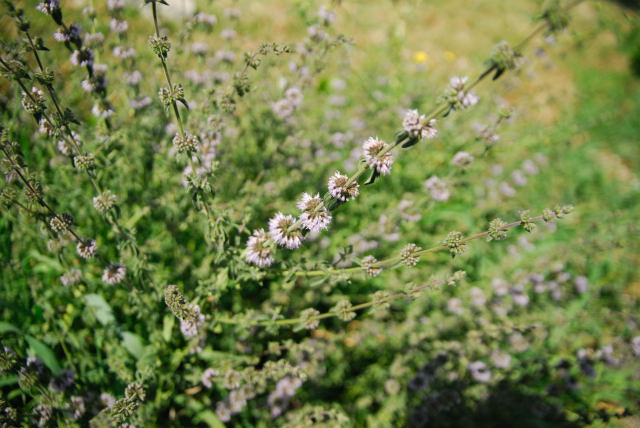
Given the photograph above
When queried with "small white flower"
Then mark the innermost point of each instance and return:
(99, 110)
(140, 102)
(279, 226)
(582, 284)
(530, 167)
(479, 371)
(283, 108)
(48, 6)
(77, 406)
(223, 412)
(115, 273)
(380, 162)
(124, 52)
(228, 34)
(207, 377)
(257, 251)
(315, 216)
(462, 159)
(518, 178)
(294, 95)
(115, 4)
(203, 18)
(326, 16)
(635, 346)
(468, 99)
(477, 297)
(82, 58)
(501, 360)
(437, 188)
(133, 78)
(225, 56)
(316, 33)
(341, 189)
(72, 277)
(107, 399)
(189, 326)
(457, 83)
(87, 248)
(118, 26)
(413, 123)
(199, 48)
(506, 189)
(88, 86)
(64, 148)
(459, 97)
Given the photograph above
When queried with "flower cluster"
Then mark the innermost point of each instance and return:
(342, 188)
(189, 314)
(414, 124)
(114, 273)
(377, 156)
(314, 216)
(457, 96)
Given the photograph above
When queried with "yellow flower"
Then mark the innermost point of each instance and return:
(420, 57)
(449, 56)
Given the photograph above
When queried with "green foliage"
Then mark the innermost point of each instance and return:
(281, 215)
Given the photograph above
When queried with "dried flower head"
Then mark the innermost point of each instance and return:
(189, 314)
(284, 231)
(368, 266)
(341, 188)
(232, 379)
(309, 319)
(104, 201)
(525, 221)
(496, 230)
(258, 251)
(61, 222)
(85, 162)
(454, 242)
(186, 143)
(409, 255)
(314, 216)
(344, 310)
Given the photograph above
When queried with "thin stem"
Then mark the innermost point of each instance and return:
(41, 201)
(359, 307)
(391, 261)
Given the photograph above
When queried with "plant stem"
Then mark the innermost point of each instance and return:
(391, 261)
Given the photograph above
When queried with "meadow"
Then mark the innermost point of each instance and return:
(289, 213)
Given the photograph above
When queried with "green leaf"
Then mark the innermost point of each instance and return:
(8, 380)
(45, 265)
(44, 352)
(210, 418)
(132, 343)
(6, 327)
(167, 326)
(101, 308)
